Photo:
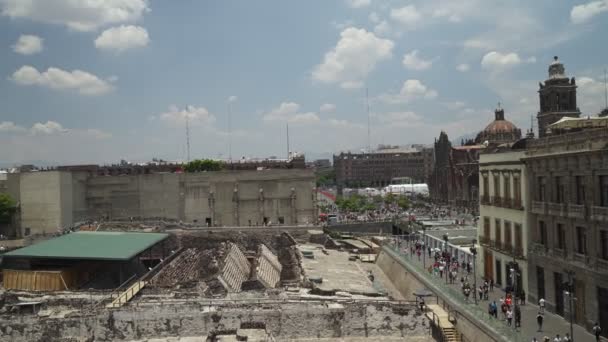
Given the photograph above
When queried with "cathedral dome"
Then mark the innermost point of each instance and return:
(499, 131)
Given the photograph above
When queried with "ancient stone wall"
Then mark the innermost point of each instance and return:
(268, 268)
(284, 321)
(235, 270)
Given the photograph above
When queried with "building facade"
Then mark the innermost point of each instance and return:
(52, 200)
(380, 167)
(503, 216)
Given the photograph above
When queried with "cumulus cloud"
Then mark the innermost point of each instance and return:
(290, 112)
(55, 78)
(583, 13)
(353, 58)
(413, 62)
(9, 127)
(327, 108)
(382, 28)
(358, 3)
(28, 45)
(496, 61)
(374, 17)
(463, 67)
(76, 15)
(122, 38)
(591, 94)
(411, 90)
(50, 127)
(408, 16)
(194, 115)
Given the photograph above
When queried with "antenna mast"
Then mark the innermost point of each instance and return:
(287, 140)
(230, 131)
(369, 144)
(188, 137)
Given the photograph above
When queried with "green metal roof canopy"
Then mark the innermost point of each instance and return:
(90, 246)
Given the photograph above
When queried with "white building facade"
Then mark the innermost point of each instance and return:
(503, 218)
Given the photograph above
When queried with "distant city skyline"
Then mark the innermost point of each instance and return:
(116, 80)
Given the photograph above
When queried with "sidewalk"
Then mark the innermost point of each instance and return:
(552, 325)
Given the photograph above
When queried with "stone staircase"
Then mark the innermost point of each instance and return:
(451, 334)
(127, 294)
(440, 318)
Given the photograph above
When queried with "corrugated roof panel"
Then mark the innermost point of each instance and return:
(91, 246)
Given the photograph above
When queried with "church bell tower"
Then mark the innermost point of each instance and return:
(557, 97)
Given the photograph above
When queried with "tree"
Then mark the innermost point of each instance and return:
(200, 165)
(7, 208)
(326, 178)
(403, 202)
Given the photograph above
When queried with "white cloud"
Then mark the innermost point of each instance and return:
(411, 90)
(55, 78)
(497, 61)
(232, 98)
(194, 115)
(9, 126)
(122, 38)
(50, 127)
(408, 16)
(413, 62)
(353, 58)
(583, 13)
(77, 15)
(382, 28)
(28, 44)
(531, 60)
(590, 95)
(327, 108)
(463, 67)
(96, 133)
(290, 112)
(358, 3)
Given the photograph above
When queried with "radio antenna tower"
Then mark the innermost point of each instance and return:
(230, 131)
(287, 140)
(187, 137)
(369, 144)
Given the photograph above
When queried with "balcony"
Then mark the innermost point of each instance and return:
(517, 204)
(484, 240)
(495, 201)
(518, 252)
(599, 213)
(537, 248)
(560, 253)
(539, 207)
(582, 258)
(506, 202)
(557, 209)
(485, 199)
(576, 211)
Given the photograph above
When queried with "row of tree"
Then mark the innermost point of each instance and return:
(200, 165)
(359, 203)
(7, 208)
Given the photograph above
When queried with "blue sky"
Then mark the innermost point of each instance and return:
(108, 80)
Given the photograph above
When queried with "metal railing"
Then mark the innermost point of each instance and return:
(478, 312)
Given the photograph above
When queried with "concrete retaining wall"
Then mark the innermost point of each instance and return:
(284, 321)
(363, 227)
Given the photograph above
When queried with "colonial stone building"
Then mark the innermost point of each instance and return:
(568, 181)
(455, 178)
(503, 215)
(380, 167)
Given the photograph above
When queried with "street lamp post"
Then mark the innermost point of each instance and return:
(474, 252)
(447, 262)
(514, 275)
(570, 293)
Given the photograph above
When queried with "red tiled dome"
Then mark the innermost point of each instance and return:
(500, 126)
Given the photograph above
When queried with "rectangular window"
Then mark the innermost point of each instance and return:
(580, 189)
(507, 229)
(542, 185)
(604, 191)
(542, 233)
(486, 186)
(507, 187)
(581, 240)
(559, 189)
(560, 235)
(496, 186)
(540, 282)
(497, 234)
(518, 237)
(604, 244)
(517, 190)
(486, 227)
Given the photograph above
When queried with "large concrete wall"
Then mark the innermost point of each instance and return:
(45, 201)
(284, 321)
(226, 198)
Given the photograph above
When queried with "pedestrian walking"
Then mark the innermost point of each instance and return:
(480, 290)
(539, 321)
(597, 331)
(541, 305)
(494, 309)
(517, 317)
(567, 338)
(557, 338)
(492, 285)
(509, 317)
(523, 297)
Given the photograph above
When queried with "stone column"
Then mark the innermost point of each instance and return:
(261, 206)
(292, 202)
